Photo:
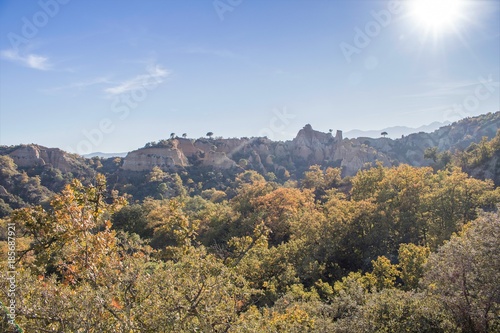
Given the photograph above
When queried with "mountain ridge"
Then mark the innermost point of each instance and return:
(264, 155)
(105, 155)
(30, 174)
(310, 147)
(396, 131)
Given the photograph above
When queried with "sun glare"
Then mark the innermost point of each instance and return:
(437, 16)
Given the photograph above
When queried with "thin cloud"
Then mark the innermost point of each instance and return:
(447, 89)
(155, 76)
(29, 60)
(92, 82)
(81, 85)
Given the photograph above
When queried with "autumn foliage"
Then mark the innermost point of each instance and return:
(399, 249)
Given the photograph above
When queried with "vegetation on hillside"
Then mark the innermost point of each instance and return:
(24, 186)
(399, 249)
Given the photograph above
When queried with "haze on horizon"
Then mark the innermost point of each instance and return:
(110, 76)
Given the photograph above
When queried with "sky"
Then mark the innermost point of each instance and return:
(110, 76)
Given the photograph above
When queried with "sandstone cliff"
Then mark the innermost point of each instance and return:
(311, 147)
(147, 158)
(28, 156)
(307, 148)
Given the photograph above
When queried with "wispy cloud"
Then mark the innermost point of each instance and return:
(91, 82)
(29, 60)
(81, 85)
(154, 76)
(446, 89)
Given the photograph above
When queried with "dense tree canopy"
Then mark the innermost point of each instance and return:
(398, 249)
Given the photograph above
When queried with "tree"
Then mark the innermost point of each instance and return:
(132, 219)
(193, 293)
(172, 135)
(184, 135)
(79, 275)
(8, 167)
(384, 273)
(210, 134)
(170, 224)
(412, 259)
(321, 180)
(393, 310)
(287, 212)
(75, 238)
(464, 275)
(384, 134)
(431, 154)
(452, 201)
(399, 194)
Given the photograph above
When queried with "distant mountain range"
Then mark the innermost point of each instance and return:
(392, 132)
(105, 155)
(395, 131)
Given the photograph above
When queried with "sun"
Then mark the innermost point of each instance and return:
(437, 16)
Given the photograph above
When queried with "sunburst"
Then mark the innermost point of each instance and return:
(438, 16)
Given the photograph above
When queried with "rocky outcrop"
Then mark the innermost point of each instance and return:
(311, 147)
(177, 154)
(281, 157)
(187, 147)
(307, 148)
(459, 135)
(28, 156)
(218, 160)
(319, 148)
(355, 156)
(147, 158)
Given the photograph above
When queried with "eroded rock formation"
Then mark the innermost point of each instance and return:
(27, 156)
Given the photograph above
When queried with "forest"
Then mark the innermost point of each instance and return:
(231, 166)
(391, 249)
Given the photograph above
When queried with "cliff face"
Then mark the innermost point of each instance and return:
(311, 147)
(27, 156)
(147, 158)
(307, 148)
(315, 147)
(177, 155)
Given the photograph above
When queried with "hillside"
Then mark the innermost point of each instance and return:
(310, 147)
(225, 235)
(403, 249)
(32, 173)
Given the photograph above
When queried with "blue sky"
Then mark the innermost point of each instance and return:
(112, 75)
